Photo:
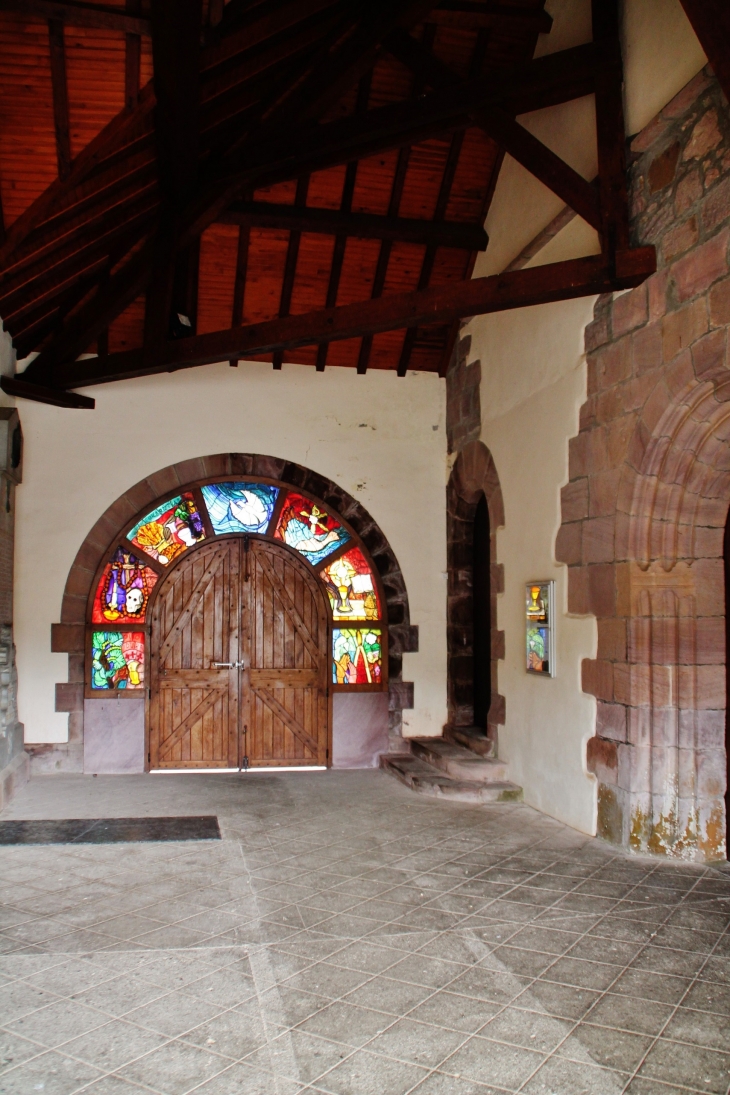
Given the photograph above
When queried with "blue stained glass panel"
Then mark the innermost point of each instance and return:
(240, 507)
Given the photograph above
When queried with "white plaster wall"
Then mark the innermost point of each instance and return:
(379, 437)
(533, 383)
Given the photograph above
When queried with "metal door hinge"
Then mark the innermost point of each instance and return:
(149, 758)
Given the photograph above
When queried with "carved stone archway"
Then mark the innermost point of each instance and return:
(662, 788)
(473, 476)
(68, 635)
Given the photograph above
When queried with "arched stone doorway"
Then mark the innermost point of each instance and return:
(474, 512)
(659, 751)
(132, 525)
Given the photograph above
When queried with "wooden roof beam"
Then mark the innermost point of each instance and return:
(290, 263)
(474, 14)
(77, 14)
(16, 386)
(176, 59)
(497, 123)
(610, 128)
(300, 151)
(368, 226)
(338, 251)
(59, 86)
(439, 304)
(710, 21)
(447, 179)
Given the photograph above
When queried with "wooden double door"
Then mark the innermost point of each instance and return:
(239, 660)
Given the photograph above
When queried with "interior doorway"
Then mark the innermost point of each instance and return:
(481, 587)
(239, 660)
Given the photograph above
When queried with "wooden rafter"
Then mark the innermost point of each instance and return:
(536, 157)
(59, 85)
(77, 14)
(710, 21)
(478, 14)
(439, 304)
(261, 93)
(215, 196)
(290, 263)
(338, 252)
(610, 129)
(367, 226)
(442, 201)
(132, 60)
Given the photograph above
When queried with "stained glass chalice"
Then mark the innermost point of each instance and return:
(342, 573)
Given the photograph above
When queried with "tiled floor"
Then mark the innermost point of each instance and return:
(349, 937)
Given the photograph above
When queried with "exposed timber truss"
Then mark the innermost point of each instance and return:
(307, 178)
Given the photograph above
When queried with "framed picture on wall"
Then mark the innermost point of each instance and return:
(540, 628)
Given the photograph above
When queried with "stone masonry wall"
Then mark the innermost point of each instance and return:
(644, 511)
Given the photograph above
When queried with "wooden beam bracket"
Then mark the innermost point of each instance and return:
(39, 393)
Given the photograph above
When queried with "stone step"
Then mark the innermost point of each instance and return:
(427, 780)
(458, 762)
(472, 737)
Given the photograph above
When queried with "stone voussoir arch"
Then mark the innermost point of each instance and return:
(68, 636)
(473, 475)
(670, 762)
(681, 486)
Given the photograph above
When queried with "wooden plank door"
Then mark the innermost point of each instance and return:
(285, 642)
(194, 704)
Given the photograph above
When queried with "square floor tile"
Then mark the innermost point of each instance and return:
(610, 1048)
(299, 1056)
(368, 1074)
(51, 1073)
(113, 1045)
(174, 1068)
(348, 1023)
(418, 1043)
(572, 1078)
(688, 1066)
(493, 1063)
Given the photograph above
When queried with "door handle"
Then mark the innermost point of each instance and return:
(228, 665)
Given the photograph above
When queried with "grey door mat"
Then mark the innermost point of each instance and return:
(109, 830)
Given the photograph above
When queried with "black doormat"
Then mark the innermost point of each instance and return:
(109, 830)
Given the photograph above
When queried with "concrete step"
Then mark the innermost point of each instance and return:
(427, 780)
(472, 737)
(458, 762)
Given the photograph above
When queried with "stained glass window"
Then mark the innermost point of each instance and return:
(124, 590)
(351, 589)
(240, 507)
(309, 529)
(539, 628)
(170, 529)
(357, 656)
(117, 659)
